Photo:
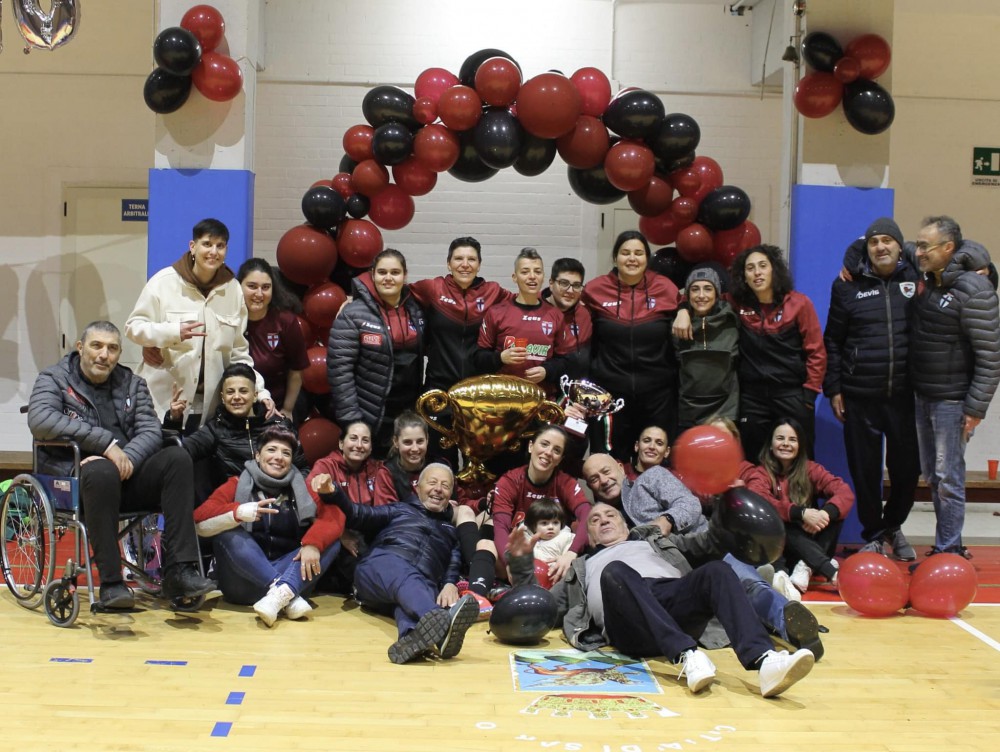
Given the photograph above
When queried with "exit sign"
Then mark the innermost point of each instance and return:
(985, 165)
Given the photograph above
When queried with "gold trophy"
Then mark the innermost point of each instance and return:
(490, 415)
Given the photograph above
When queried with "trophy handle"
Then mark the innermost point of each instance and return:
(432, 402)
(619, 404)
(550, 412)
(564, 381)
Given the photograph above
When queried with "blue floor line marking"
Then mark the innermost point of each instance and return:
(235, 698)
(248, 670)
(222, 728)
(166, 663)
(71, 660)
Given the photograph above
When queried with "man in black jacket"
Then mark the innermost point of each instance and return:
(867, 342)
(106, 409)
(411, 570)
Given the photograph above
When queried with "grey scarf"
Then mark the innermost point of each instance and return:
(253, 478)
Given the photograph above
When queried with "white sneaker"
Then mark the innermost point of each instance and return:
(801, 575)
(836, 575)
(299, 608)
(779, 671)
(783, 584)
(698, 668)
(268, 607)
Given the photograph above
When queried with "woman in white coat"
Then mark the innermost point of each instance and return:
(191, 321)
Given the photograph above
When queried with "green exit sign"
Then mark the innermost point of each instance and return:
(985, 165)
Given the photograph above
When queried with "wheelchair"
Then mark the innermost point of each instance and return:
(37, 512)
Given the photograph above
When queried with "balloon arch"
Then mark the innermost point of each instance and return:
(487, 119)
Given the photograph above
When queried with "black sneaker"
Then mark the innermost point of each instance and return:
(116, 595)
(432, 627)
(802, 628)
(185, 581)
(461, 616)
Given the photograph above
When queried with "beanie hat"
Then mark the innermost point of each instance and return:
(884, 226)
(704, 274)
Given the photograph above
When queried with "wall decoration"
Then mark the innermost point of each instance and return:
(45, 31)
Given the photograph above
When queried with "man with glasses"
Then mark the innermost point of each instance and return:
(565, 290)
(955, 365)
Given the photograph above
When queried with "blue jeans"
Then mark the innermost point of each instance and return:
(245, 573)
(768, 603)
(941, 435)
(389, 584)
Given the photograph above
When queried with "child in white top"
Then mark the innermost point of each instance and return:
(545, 518)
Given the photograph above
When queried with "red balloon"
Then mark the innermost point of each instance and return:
(548, 105)
(425, 110)
(308, 335)
(872, 53)
(817, 94)
(432, 83)
(306, 255)
(708, 457)
(314, 376)
(207, 25)
(594, 89)
(846, 70)
(694, 245)
(943, 585)
(542, 574)
(218, 77)
(436, 147)
(392, 208)
(653, 198)
(661, 229)
(685, 209)
(321, 304)
(460, 108)
(586, 145)
(414, 177)
(498, 81)
(358, 142)
(358, 242)
(872, 584)
(369, 177)
(710, 174)
(629, 165)
(324, 183)
(729, 244)
(341, 183)
(318, 437)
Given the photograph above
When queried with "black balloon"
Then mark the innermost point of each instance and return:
(392, 143)
(358, 206)
(498, 137)
(177, 50)
(165, 92)
(750, 526)
(347, 165)
(467, 73)
(724, 208)
(524, 615)
(676, 136)
(536, 155)
(634, 114)
(388, 104)
(821, 51)
(323, 207)
(868, 106)
(678, 164)
(469, 167)
(592, 185)
(668, 262)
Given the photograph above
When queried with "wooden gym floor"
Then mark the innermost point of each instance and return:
(219, 680)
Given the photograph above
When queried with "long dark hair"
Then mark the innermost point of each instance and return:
(281, 298)
(800, 489)
(781, 278)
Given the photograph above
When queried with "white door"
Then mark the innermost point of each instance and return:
(104, 262)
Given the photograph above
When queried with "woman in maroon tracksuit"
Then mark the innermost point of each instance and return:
(632, 354)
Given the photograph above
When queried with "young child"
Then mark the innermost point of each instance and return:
(545, 517)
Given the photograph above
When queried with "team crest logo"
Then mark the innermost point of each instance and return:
(546, 328)
(575, 328)
(480, 305)
(945, 300)
(273, 338)
(651, 304)
(908, 289)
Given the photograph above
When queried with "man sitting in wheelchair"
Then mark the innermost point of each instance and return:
(107, 410)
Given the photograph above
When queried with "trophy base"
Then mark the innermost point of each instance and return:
(576, 426)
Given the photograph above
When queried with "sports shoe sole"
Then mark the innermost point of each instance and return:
(432, 627)
(466, 615)
(701, 684)
(802, 629)
(797, 671)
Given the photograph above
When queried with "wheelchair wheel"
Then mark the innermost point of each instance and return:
(28, 554)
(62, 603)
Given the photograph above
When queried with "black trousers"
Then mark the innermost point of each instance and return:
(867, 422)
(164, 483)
(761, 406)
(649, 617)
(815, 550)
(655, 408)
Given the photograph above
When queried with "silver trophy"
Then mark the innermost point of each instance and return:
(596, 400)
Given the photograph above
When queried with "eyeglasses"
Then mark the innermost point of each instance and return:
(565, 284)
(925, 247)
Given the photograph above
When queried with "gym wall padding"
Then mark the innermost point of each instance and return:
(825, 220)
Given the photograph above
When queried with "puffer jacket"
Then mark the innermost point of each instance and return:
(360, 360)
(425, 539)
(955, 334)
(708, 382)
(62, 407)
(867, 335)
